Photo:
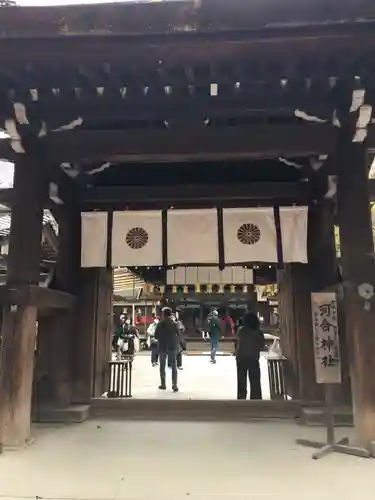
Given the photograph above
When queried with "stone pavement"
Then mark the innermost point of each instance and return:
(198, 380)
(102, 460)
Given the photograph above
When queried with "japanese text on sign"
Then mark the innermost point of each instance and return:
(326, 338)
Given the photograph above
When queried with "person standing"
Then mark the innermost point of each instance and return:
(127, 338)
(152, 342)
(214, 330)
(133, 334)
(250, 342)
(119, 337)
(168, 338)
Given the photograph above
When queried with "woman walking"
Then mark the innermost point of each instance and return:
(152, 342)
(250, 342)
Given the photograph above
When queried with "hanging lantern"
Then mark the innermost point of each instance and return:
(221, 288)
(174, 289)
(197, 288)
(209, 288)
(162, 289)
(233, 289)
(245, 289)
(186, 290)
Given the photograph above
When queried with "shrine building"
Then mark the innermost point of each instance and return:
(184, 138)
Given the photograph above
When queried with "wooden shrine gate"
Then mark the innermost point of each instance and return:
(187, 105)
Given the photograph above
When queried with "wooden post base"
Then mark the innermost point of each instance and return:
(341, 446)
(333, 446)
(16, 374)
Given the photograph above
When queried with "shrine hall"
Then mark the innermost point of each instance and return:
(153, 135)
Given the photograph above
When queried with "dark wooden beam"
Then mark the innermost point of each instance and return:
(78, 48)
(195, 193)
(176, 17)
(256, 141)
(33, 295)
(191, 106)
(256, 55)
(181, 17)
(68, 191)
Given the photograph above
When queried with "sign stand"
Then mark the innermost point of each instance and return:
(328, 373)
(332, 446)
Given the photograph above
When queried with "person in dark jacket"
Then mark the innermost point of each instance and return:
(250, 342)
(125, 335)
(168, 337)
(215, 331)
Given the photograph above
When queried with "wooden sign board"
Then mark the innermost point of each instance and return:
(326, 338)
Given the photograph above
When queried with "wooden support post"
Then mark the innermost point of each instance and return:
(324, 277)
(296, 332)
(19, 322)
(84, 334)
(358, 265)
(62, 323)
(296, 282)
(103, 332)
(92, 333)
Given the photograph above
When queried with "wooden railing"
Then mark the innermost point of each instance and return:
(276, 378)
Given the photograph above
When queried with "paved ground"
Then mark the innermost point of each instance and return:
(174, 461)
(198, 380)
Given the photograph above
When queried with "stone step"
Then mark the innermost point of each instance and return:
(314, 416)
(73, 414)
(187, 410)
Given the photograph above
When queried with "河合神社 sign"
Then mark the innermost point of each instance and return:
(326, 338)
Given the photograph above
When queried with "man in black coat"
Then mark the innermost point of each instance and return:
(168, 337)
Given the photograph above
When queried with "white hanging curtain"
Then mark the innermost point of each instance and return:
(293, 225)
(94, 239)
(249, 235)
(137, 239)
(192, 275)
(192, 237)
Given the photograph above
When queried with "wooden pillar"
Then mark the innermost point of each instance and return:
(324, 276)
(19, 322)
(358, 266)
(103, 331)
(321, 247)
(62, 323)
(84, 338)
(92, 344)
(296, 282)
(296, 331)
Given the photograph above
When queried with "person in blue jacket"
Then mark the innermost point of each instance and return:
(215, 331)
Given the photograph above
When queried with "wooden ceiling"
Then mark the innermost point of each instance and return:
(173, 84)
